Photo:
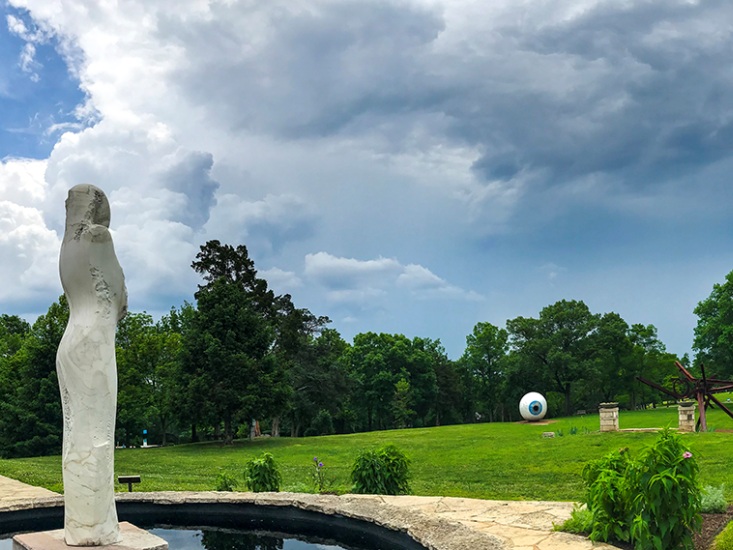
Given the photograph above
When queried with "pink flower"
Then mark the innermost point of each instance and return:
(687, 454)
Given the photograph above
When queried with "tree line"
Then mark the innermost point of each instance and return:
(241, 358)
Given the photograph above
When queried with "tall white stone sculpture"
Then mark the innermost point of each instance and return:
(95, 289)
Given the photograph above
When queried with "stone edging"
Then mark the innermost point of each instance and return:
(432, 532)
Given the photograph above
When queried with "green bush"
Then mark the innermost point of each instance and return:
(579, 523)
(713, 500)
(668, 495)
(609, 497)
(653, 502)
(261, 474)
(384, 471)
(225, 482)
(724, 540)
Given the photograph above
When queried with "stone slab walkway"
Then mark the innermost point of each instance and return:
(12, 490)
(439, 523)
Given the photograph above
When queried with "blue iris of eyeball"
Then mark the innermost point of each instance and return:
(533, 406)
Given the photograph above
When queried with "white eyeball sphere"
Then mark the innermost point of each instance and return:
(533, 406)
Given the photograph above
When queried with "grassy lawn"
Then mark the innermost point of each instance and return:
(492, 461)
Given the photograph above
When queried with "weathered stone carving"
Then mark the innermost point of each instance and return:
(95, 289)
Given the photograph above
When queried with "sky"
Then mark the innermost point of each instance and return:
(411, 167)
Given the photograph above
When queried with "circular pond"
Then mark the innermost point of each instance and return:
(229, 526)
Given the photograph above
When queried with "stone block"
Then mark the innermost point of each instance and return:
(133, 538)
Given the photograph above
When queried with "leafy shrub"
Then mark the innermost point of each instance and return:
(579, 523)
(384, 471)
(225, 482)
(668, 495)
(713, 500)
(573, 430)
(653, 502)
(261, 474)
(724, 540)
(608, 497)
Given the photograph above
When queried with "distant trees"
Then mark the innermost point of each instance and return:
(714, 331)
(241, 352)
(30, 406)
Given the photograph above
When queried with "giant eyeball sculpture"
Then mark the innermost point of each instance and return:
(533, 406)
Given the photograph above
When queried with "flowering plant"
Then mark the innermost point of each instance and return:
(320, 481)
(652, 502)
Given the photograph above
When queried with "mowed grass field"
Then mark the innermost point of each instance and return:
(491, 461)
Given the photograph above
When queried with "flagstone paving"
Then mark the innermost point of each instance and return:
(446, 521)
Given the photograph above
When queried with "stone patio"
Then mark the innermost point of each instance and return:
(439, 523)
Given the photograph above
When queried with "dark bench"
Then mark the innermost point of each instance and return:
(129, 480)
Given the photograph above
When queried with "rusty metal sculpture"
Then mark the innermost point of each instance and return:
(699, 389)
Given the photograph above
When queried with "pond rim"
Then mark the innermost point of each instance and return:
(366, 514)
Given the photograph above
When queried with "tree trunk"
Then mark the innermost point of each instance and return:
(275, 428)
(228, 436)
(164, 428)
(194, 433)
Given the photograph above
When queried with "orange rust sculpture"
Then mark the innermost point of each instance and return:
(701, 390)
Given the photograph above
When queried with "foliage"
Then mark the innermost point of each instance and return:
(227, 357)
(713, 500)
(377, 363)
(402, 404)
(323, 423)
(262, 474)
(30, 406)
(558, 345)
(384, 471)
(714, 330)
(225, 482)
(724, 540)
(667, 502)
(485, 361)
(579, 523)
(609, 497)
(321, 482)
(653, 501)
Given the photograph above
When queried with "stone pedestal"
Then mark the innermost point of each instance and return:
(133, 538)
(609, 417)
(687, 416)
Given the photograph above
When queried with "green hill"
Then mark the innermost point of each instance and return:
(491, 461)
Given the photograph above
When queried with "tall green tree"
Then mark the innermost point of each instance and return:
(148, 360)
(13, 330)
(31, 421)
(319, 382)
(227, 357)
(557, 345)
(612, 356)
(377, 363)
(714, 331)
(484, 359)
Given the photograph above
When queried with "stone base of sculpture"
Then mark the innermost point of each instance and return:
(133, 538)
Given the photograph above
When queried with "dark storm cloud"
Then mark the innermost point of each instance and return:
(648, 93)
(191, 176)
(310, 73)
(638, 89)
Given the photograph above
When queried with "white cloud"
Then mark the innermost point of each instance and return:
(457, 134)
(283, 282)
(28, 249)
(361, 281)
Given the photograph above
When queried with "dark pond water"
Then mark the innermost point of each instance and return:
(226, 539)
